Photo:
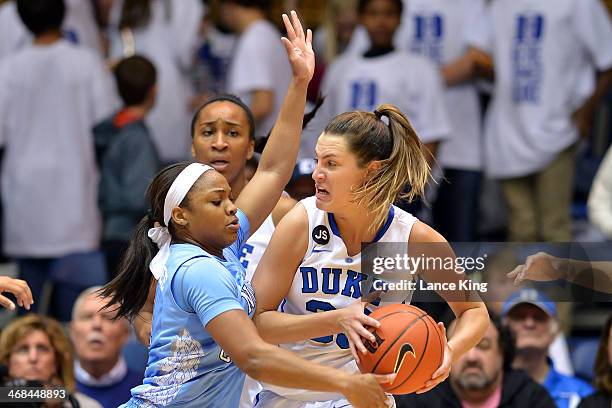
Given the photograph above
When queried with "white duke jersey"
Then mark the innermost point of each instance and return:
(327, 279)
(251, 253)
(256, 245)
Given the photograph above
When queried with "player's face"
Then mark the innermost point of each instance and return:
(479, 369)
(533, 328)
(337, 173)
(33, 358)
(381, 18)
(222, 140)
(97, 338)
(211, 218)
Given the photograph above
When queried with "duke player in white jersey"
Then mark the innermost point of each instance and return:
(312, 266)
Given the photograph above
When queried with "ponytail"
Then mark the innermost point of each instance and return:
(130, 288)
(399, 150)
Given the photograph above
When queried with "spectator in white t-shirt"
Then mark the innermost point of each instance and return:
(383, 74)
(79, 27)
(51, 95)
(546, 55)
(441, 30)
(259, 72)
(165, 32)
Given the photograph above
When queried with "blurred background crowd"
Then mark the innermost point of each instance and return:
(512, 98)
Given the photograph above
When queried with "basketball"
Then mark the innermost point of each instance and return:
(408, 342)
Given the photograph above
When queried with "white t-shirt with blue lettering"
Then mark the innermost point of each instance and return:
(546, 53)
(440, 30)
(410, 82)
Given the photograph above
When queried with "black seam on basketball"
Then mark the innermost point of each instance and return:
(412, 323)
(418, 362)
(394, 313)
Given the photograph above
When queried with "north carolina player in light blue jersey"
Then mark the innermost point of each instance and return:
(202, 338)
(312, 266)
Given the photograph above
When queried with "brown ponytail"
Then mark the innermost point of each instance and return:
(396, 145)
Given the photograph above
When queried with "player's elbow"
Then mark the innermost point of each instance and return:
(253, 359)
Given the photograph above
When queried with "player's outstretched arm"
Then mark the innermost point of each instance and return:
(542, 267)
(236, 334)
(17, 287)
(280, 154)
(471, 312)
(273, 279)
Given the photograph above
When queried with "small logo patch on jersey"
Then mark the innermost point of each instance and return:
(401, 356)
(320, 235)
(224, 357)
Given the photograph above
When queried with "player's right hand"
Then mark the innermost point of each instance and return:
(352, 321)
(17, 287)
(365, 390)
(540, 267)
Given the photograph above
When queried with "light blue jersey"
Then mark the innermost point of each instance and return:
(186, 367)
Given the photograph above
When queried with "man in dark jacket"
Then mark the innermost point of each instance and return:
(483, 378)
(127, 157)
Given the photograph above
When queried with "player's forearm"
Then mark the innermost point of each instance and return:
(470, 328)
(592, 275)
(279, 328)
(274, 365)
(281, 150)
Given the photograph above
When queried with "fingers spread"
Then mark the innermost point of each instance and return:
(288, 46)
(357, 342)
(297, 25)
(290, 31)
(369, 321)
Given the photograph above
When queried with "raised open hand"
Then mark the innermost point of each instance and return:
(299, 48)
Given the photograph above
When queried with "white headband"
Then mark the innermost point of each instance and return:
(161, 235)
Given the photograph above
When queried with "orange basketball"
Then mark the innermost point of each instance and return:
(408, 342)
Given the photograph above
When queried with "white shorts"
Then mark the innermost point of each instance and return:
(249, 392)
(268, 399)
